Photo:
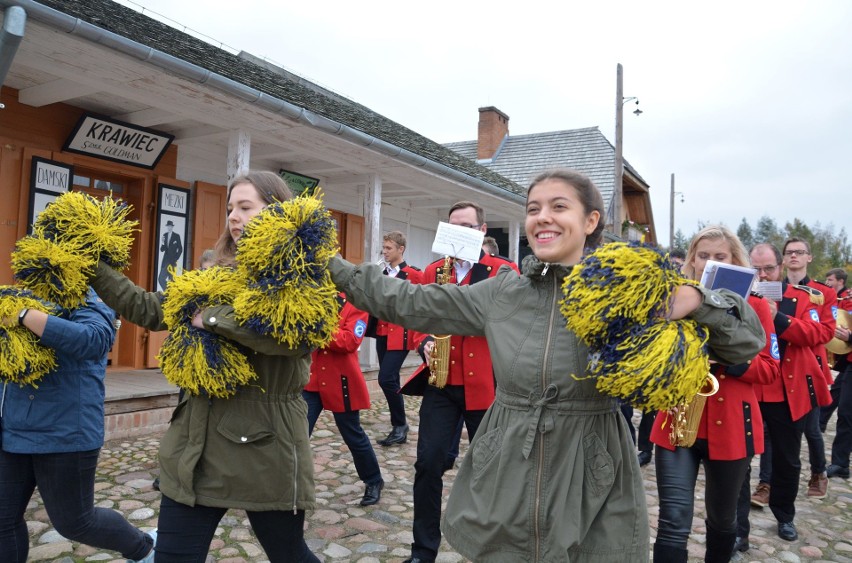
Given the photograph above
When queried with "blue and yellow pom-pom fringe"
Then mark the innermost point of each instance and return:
(197, 360)
(617, 300)
(99, 228)
(22, 359)
(54, 272)
(284, 254)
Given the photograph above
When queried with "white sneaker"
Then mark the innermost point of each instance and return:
(150, 557)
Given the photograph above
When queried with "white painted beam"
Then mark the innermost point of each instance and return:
(239, 153)
(55, 91)
(148, 117)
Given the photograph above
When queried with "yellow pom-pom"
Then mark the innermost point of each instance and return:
(203, 363)
(53, 272)
(198, 360)
(284, 254)
(616, 283)
(98, 228)
(654, 368)
(617, 301)
(22, 359)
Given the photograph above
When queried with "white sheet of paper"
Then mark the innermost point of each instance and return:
(769, 289)
(459, 242)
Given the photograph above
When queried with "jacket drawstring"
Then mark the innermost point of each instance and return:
(549, 394)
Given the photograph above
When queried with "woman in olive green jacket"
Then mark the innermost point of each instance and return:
(552, 474)
(250, 451)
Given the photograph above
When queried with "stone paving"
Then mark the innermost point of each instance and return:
(342, 531)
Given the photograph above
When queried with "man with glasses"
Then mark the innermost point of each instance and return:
(841, 394)
(797, 256)
(801, 326)
(467, 395)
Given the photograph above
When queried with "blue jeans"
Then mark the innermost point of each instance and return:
(185, 533)
(349, 425)
(66, 482)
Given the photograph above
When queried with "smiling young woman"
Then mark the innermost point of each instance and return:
(551, 472)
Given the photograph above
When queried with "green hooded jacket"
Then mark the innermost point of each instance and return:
(250, 451)
(552, 474)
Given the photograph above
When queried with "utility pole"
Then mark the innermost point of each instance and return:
(619, 159)
(671, 215)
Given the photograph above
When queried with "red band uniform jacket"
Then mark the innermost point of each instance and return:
(844, 301)
(801, 326)
(399, 337)
(731, 422)
(470, 360)
(829, 311)
(335, 370)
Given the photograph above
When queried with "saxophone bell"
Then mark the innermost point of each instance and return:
(687, 416)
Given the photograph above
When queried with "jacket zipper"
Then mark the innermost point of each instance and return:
(295, 478)
(539, 472)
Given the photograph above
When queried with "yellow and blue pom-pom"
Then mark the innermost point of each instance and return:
(617, 300)
(284, 254)
(99, 228)
(53, 272)
(198, 360)
(22, 359)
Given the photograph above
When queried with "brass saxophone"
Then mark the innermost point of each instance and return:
(439, 361)
(685, 422)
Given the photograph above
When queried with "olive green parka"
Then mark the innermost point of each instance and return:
(250, 451)
(552, 474)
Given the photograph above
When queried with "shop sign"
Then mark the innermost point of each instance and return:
(117, 141)
(48, 180)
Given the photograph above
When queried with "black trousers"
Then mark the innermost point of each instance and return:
(440, 412)
(842, 445)
(390, 362)
(785, 434)
(645, 427)
(677, 472)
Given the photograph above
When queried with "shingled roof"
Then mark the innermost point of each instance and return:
(521, 157)
(137, 27)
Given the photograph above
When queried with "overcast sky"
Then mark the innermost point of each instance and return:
(749, 104)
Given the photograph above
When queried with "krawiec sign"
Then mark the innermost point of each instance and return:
(107, 138)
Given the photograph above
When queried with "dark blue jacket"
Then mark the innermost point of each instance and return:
(65, 412)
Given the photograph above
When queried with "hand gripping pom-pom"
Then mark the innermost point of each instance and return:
(198, 360)
(22, 359)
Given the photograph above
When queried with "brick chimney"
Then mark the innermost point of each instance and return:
(493, 128)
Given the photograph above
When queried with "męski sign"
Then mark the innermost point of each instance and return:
(109, 139)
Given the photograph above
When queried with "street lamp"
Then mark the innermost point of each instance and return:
(620, 100)
(671, 212)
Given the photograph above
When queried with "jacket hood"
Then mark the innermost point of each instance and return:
(535, 269)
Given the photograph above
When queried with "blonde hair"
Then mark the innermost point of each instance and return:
(739, 256)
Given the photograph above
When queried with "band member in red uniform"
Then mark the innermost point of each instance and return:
(337, 384)
(467, 395)
(841, 391)
(802, 325)
(393, 341)
(729, 434)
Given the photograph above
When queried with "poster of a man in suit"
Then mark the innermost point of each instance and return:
(171, 249)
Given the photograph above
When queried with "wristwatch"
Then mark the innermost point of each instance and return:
(21, 316)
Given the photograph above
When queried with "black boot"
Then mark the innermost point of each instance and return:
(399, 435)
(668, 554)
(720, 546)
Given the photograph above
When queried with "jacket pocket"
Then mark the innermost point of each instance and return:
(599, 472)
(485, 448)
(242, 430)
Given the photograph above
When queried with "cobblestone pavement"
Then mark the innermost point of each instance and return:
(341, 531)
